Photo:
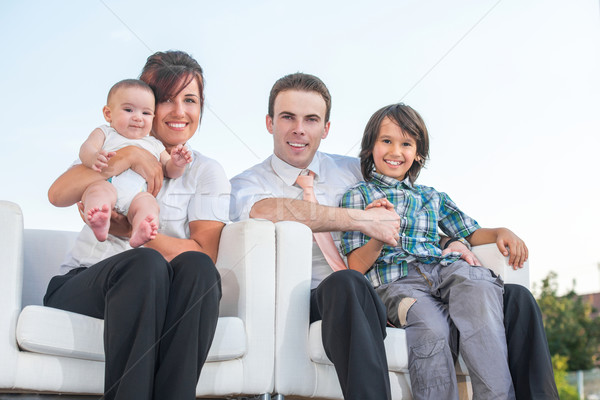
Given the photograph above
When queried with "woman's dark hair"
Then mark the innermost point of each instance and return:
(169, 72)
(411, 124)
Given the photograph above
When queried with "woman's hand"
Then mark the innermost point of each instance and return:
(141, 162)
(204, 237)
(119, 225)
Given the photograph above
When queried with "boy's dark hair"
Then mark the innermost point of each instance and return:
(125, 84)
(169, 72)
(411, 124)
(302, 82)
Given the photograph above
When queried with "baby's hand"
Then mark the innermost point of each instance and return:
(385, 203)
(102, 158)
(181, 155)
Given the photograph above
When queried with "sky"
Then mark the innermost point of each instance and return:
(509, 90)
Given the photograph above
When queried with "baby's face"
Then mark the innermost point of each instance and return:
(130, 112)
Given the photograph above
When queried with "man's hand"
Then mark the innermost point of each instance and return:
(466, 254)
(382, 224)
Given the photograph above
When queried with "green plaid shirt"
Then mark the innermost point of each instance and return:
(422, 209)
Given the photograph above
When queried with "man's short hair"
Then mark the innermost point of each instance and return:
(302, 82)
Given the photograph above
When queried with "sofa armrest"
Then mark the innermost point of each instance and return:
(490, 257)
(11, 286)
(246, 263)
(294, 273)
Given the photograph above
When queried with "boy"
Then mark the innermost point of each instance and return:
(430, 295)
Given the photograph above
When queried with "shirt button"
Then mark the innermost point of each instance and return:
(403, 234)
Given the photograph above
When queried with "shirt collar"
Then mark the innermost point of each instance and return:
(289, 173)
(382, 180)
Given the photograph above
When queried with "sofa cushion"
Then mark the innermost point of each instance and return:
(395, 348)
(52, 331)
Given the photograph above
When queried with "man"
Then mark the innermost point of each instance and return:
(353, 317)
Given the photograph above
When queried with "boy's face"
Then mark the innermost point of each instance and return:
(130, 112)
(297, 126)
(394, 151)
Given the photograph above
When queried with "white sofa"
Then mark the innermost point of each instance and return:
(50, 351)
(302, 368)
(263, 344)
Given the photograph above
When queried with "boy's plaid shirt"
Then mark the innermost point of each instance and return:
(422, 209)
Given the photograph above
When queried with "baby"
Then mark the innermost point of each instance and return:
(130, 112)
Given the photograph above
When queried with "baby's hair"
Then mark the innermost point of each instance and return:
(411, 124)
(126, 84)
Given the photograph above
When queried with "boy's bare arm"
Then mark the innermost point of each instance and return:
(508, 243)
(363, 258)
(377, 223)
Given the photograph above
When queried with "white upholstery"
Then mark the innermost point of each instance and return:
(54, 351)
(301, 366)
(263, 343)
(51, 331)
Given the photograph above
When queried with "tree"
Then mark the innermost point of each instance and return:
(570, 330)
(565, 391)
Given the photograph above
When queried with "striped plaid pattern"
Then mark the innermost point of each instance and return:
(422, 209)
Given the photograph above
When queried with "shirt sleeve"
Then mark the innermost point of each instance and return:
(245, 191)
(211, 199)
(453, 222)
(352, 239)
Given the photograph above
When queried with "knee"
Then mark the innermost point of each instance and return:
(346, 283)
(517, 297)
(517, 294)
(196, 268)
(146, 267)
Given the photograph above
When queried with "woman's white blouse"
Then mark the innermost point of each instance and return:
(201, 193)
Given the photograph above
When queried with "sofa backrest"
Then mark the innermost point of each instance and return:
(43, 253)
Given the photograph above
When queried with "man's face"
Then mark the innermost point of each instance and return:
(297, 126)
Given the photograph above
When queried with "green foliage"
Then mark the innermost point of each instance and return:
(565, 391)
(570, 330)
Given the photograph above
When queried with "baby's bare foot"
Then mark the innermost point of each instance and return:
(99, 220)
(145, 232)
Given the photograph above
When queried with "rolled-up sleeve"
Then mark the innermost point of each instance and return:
(352, 239)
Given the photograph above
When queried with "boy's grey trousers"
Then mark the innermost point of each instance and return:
(443, 308)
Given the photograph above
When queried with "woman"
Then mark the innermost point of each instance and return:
(159, 303)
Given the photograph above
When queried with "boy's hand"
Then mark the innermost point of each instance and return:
(466, 254)
(181, 155)
(385, 203)
(382, 224)
(102, 158)
(512, 246)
